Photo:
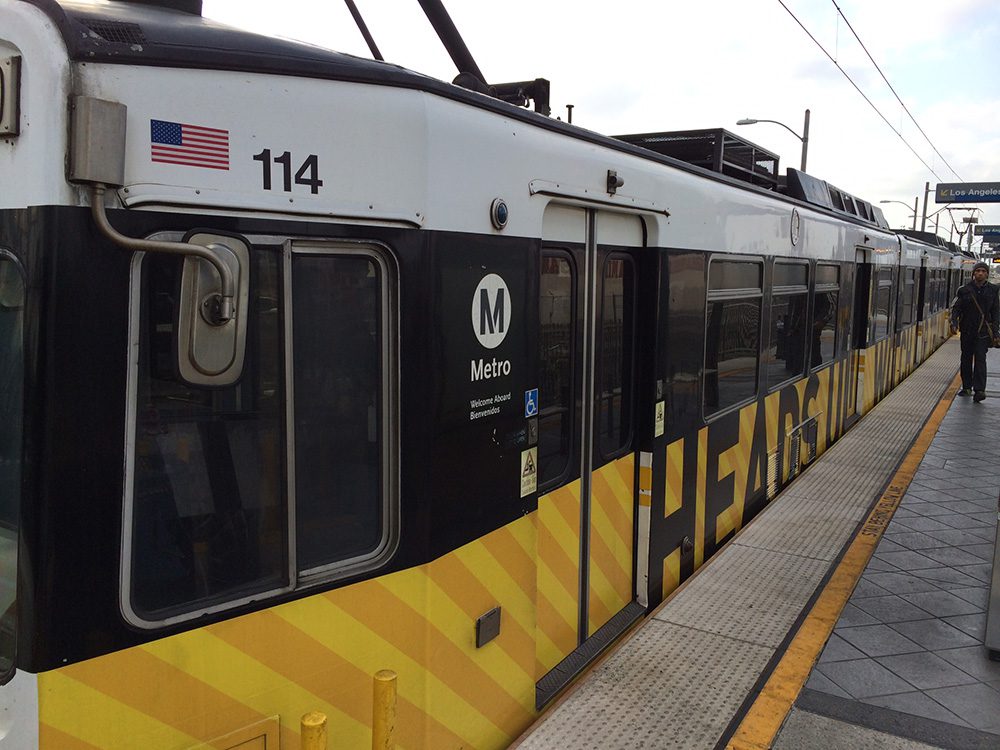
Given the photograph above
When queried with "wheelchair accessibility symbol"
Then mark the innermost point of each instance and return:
(531, 402)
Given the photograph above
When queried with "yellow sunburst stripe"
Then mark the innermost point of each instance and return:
(671, 572)
(444, 647)
(560, 516)
(562, 600)
(699, 513)
(316, 678)
(556, 636)
(50, 738)
(559, 548)
(95, 718)
(453, 633)
(611, 516)
(468, 598)
(612, 579)
(675, 478)
(372, 629)
(523, 533)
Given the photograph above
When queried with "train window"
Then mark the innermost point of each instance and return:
(337, 344)
(882, 295)
(826, 301)
(11, 423)
(207, 515)
(219, 473)
(732, 333)
(836, 199)
(907, 297)
(616, 350)
(556, 309)
(784, 357)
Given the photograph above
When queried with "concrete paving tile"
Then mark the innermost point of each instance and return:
(932, 484)
(880, 566)
(851, 616)
(925, 670)
(982, 572)
(953, 557)
(864, 678)
(887, 545)
(980, 596)
(899, 583)
(969, 493)
(894, 608)
(922, 523)
(867, 588)
(819, 681)
(948, 577)
(902, 513)
(961, 521)
(956, 537)
(940, 603)
(916, 704)
(972, 625)
(973, 660)
(983, 550)
(935, 635)
(926, 508)
(837, 649)
(913, 540)
(987, 518)
(978, 705)
(878, 640)
(804, 730)
(909, 560)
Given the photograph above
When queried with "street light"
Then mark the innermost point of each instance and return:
(916, 203)
(804, 137)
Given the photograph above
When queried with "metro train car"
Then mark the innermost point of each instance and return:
(315, 366)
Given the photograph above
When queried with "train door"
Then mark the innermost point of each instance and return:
(859, 336)
(924, 336)
(587, 467)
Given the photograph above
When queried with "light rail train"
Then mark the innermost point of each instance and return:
(314, 366)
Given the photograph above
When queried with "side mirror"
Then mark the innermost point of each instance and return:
(210, 347)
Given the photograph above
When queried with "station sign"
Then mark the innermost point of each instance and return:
(967, 192)
(987, 230)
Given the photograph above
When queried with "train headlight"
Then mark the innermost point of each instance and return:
(499, 213)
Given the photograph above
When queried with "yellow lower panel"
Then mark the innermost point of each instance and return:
(612, 514)
(319, 654)
(558, 527)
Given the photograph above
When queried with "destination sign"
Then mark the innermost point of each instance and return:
(967, 192)
(987, 230)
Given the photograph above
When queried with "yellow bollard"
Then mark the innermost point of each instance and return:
(314, 731)
(384, 710)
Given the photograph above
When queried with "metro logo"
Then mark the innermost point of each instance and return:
(491, 311)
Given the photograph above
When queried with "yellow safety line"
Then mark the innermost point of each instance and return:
(765, 717)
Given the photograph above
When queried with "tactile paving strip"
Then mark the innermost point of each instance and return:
(674, 688)
(809, 528)
(752, 595)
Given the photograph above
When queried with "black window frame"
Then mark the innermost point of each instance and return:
(294, 577)
(630, 320)
(570, 424)
(722, 295)
(825, 287)
(786, 291)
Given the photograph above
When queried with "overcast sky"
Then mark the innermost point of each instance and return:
(633, 66)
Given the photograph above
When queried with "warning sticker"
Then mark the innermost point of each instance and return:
(659, 419)
(529, 471)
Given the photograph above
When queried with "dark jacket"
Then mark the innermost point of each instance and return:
(966, 316)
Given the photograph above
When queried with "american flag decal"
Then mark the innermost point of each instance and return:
(193, 145)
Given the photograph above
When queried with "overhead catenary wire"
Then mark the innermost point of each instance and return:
(858, 89)
(901, 103)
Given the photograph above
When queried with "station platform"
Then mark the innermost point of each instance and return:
(851, 613)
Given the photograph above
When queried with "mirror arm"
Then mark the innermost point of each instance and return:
(226, 310)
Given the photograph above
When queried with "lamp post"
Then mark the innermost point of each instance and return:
(916, 203)
(804, 137)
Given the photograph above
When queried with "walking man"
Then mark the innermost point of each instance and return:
(976, 313)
